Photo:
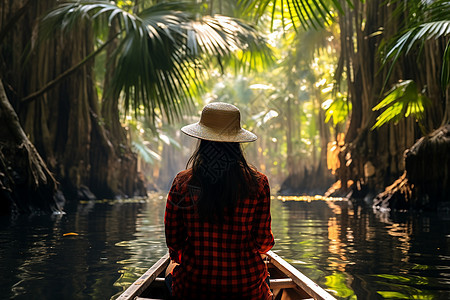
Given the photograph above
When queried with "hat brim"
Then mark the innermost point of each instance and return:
(199, 131)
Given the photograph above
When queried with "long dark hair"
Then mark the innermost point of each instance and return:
(224, 177)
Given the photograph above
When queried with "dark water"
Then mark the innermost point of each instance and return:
(348, 249)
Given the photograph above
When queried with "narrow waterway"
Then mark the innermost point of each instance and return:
(98, 248)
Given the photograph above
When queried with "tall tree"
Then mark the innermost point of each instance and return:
(26, 182)
(425, 182)
(375, 157)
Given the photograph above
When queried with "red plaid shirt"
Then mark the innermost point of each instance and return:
(218, 261)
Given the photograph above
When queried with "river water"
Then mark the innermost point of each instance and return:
(98, 248)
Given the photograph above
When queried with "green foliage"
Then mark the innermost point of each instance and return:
(148, 155)
(403, 100)
(147, 140)
(230, 41)
(153, 69)
(337, 109)
(160, 61)
(305, 13)
(428, 20)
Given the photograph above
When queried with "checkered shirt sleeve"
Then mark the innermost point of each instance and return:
(175, 231)
(261, 230)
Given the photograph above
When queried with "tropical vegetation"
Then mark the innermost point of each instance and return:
(336, 90)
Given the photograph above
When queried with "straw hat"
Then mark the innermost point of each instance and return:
(220, 122)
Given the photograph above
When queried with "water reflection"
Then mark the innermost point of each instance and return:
(147, 246)
(347, 248)
(39, 262)
(356, 253)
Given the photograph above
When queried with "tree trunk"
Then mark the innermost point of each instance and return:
(374, 158)
(64, 123)
(118, 170)
(292, 168)
(381, 150)
(26, 184)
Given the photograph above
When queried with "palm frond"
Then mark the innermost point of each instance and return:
(430, 22)
(148, 155)
(153, 69)
(337, 109)
(163, 50)
(305, 13)
(403, 100)
(230, 40)
(67, 15)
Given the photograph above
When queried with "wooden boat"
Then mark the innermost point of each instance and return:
(286, 282)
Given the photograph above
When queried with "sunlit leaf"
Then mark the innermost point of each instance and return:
(302, 13)
(398, 91)
(148, 155)
(264, 117)
(336, 109)
(403, 100)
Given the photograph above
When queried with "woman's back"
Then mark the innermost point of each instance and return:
(220, 258)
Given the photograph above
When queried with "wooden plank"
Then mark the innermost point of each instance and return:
(282, 283)
(144, 281)
(299, 278)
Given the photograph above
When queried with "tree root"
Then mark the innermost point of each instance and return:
(397, 196)
(425, 184)
(26, 184)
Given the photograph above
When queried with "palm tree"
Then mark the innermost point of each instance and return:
(162, 49)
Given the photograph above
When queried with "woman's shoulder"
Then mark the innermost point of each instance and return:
(260, 179)
(185, 173)
(183, 177)
(260, 176)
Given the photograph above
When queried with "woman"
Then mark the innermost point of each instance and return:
(217, 218)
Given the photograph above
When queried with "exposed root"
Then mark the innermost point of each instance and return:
(397, 196)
